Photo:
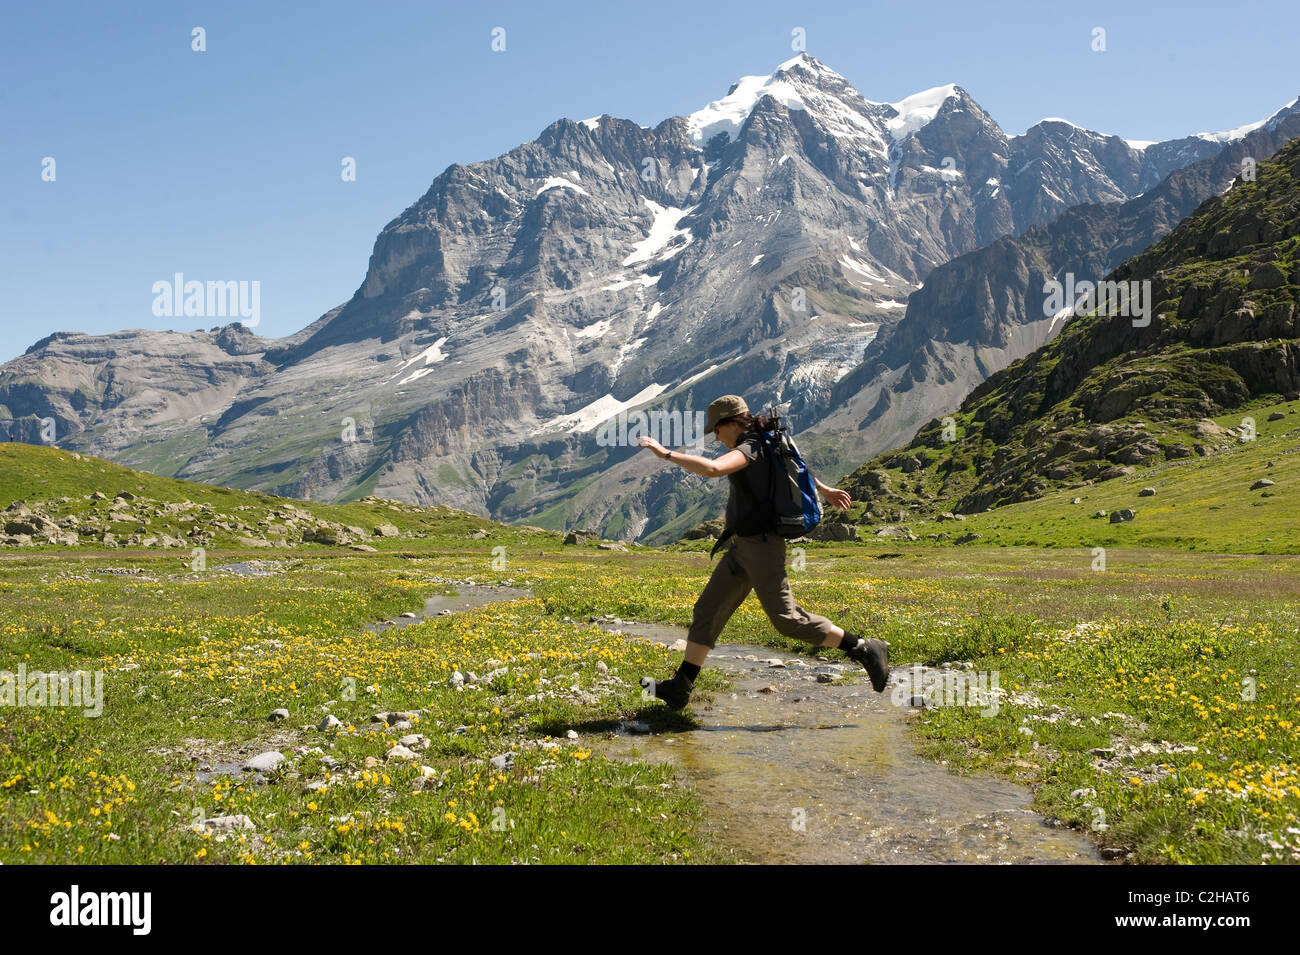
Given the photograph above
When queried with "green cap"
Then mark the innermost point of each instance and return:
(728, 406)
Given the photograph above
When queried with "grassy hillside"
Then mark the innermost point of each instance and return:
(1199, 504)
(55, 498)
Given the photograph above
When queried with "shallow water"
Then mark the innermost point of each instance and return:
(819, 773)
(467, 598)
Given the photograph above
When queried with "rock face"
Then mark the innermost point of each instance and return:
(1085, 407)
(756, 246)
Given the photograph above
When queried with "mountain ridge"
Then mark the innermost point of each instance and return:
(596, 263)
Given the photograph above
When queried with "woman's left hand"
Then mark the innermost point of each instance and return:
(837, 498)
(648, 442)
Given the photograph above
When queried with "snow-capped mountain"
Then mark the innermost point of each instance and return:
(755, 246)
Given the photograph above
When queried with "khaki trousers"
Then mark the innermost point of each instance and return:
(752, 563)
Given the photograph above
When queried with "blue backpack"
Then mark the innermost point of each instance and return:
(792, 497)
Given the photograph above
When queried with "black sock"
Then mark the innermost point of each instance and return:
(688, 671)
(849, 642)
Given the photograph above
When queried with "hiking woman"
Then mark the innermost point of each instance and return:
(754, 561)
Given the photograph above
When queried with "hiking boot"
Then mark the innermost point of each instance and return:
(874, 655)
(675, 692)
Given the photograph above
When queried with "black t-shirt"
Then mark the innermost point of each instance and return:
(754, 476)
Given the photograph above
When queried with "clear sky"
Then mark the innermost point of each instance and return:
(225, 164)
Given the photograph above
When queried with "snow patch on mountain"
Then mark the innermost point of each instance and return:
(625, 350)
(602, 409)
(663, 230)
(555, 181)
(597, 330)
(917, 110)
(431, 355)
(728, 114)
(859, 267)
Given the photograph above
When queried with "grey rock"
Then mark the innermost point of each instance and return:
(502, 762)
(265, 762)
(229, 823)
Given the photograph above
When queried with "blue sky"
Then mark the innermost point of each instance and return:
(225, 164)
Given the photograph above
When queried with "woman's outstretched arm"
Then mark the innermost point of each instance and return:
(729, 463)
(834, 496)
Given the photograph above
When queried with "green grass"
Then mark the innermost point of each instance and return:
(1200, 504)
(1164, 647)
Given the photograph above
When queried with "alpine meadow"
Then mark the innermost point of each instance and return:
(802, 478)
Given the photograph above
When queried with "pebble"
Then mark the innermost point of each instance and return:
(414, 741)
(504, 761)
(400, 752)
(277, 715)
(330, 722)
(572, 734)
(265, 762)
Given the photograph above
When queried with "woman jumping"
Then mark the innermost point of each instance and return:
(753, 561)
